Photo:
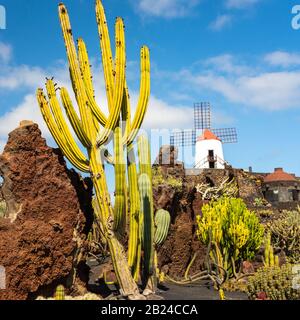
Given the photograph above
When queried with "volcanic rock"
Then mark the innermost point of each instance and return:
(43, 232)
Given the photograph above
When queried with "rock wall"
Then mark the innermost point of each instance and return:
(42, 237)
(184, 205)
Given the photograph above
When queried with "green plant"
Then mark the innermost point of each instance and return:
(270, 260)
(160, 180)
(231, 232)
(260, 202)
(285, 234)
(148, 223)
(94, 130)
(267, 213)
(275, 282)
(162, 223)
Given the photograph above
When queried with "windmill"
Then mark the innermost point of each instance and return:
(207, 141)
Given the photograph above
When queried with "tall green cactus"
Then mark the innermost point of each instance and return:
(162, 223)
(120, 209)
(135, 236)
(146, 200)
(94, 129)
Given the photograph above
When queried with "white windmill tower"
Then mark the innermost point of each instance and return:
(207, 142)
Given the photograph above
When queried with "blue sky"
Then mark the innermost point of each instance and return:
(241, 55)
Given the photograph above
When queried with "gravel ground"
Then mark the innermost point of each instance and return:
(196, 292)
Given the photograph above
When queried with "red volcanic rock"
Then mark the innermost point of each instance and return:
(42, 237)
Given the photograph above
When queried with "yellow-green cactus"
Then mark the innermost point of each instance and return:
(60, 293)
(232, 232)
(94, 129)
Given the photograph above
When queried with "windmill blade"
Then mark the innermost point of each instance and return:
(183, 138)
(227, 135)
(202, 116)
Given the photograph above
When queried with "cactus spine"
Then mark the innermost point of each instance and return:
(94, 129)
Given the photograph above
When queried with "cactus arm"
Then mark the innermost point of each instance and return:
(162, 222)
(73, 118)
(134, 244)
(126, 114)
(120, 181)
(61, 123)
(114, 116)
(106, 53)
(144, 156)
(57, 135)
(144, 95)
(87, 78)
(75, 72)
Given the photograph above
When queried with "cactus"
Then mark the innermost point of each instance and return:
(60, 293)
(148, 223)
(285, 234)
(120, 209)
(94, 129)
(232, 232)
(270, 260)
(276, 283)
(162, 223)
(135, 234)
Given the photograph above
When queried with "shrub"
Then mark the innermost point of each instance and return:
(275, 282)
(159, 179)
(285, 233)
(260, 202)
(232, 232)
(267, 213)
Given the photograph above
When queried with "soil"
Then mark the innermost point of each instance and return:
(203, 291)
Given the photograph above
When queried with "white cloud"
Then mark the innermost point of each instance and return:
(13, 78)
(268, 90)
(162, 115)
(5, 52)
(240, 4)
(27, 110)
(221, 22)
(166, 8)
(226, 63)
(283, 59)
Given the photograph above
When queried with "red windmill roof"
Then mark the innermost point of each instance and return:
(208, 135)
(279, 175)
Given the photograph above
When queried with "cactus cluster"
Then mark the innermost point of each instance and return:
(94, 129)
(270, 260)
(275, 282)
(285, 234)
(231, 231)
